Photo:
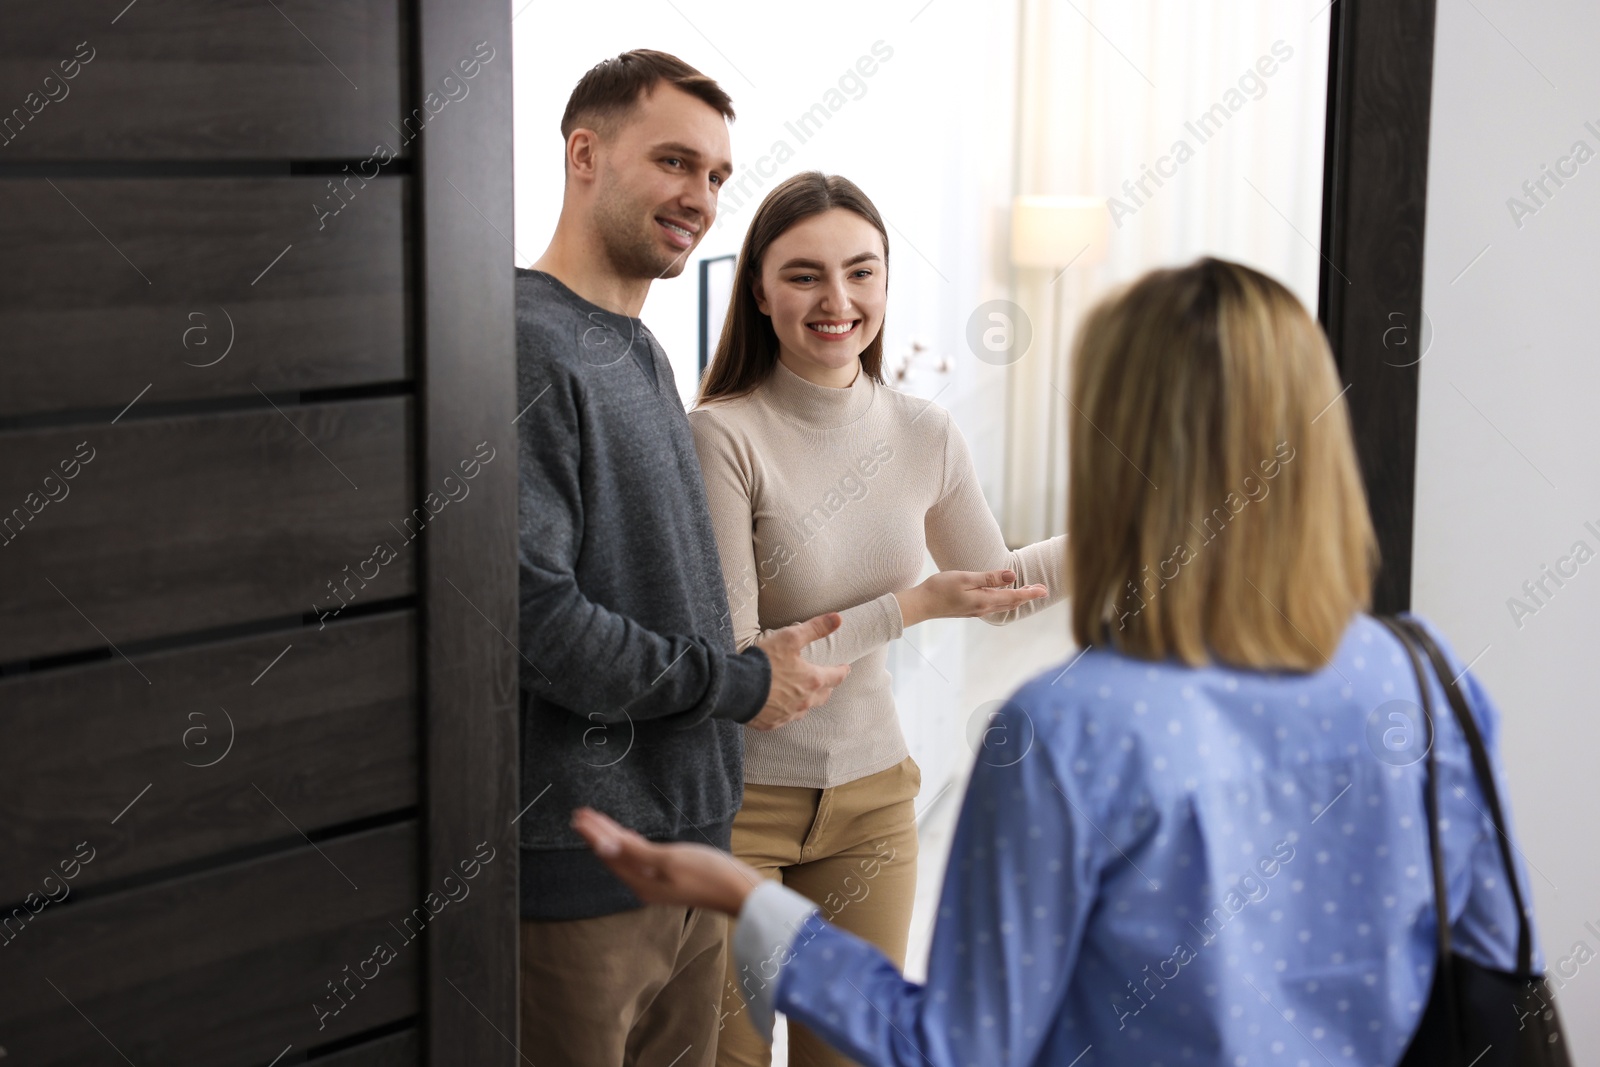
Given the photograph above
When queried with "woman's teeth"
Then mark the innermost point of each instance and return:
(846, 328)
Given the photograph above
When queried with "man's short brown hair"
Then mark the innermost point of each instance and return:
(612, 87)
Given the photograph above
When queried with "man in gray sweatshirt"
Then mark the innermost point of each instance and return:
(633, 699)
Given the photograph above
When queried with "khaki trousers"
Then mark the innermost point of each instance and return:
(853, 850)
(637, 987)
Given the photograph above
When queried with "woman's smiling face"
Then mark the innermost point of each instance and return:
(824, 285)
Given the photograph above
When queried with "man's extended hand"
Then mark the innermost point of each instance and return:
(797, 685)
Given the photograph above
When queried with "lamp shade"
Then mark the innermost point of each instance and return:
(1054, 231)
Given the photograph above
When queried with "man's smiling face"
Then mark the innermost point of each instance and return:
(658, 175)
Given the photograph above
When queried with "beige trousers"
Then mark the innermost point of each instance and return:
(637, 987)
(853, 850)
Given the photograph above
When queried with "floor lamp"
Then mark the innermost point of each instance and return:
(1051, 236)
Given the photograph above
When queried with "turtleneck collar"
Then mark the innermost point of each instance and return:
(818, 406)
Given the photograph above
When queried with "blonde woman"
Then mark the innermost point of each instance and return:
(1206, 857)
(826, 489)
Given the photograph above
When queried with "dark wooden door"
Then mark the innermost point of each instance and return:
(257, 533)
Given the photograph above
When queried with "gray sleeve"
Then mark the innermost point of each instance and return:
(591, 660)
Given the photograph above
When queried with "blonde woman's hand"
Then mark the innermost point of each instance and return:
(682, 873)
(965, 595)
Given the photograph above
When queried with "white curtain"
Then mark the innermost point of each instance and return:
(1227, 98)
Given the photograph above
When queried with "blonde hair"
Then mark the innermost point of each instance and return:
(1215, 508)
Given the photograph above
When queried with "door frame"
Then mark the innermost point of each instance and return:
(1374, 204)
(466, 394)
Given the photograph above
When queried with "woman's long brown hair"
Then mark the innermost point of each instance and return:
(748, 347)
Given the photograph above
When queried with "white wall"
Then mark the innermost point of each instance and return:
(1508, 472)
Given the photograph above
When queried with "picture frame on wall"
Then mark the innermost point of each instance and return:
(716, 293)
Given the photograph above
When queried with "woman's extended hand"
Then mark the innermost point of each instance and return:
(964, 595)
(683, 873)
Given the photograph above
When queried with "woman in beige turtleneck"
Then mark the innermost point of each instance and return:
(826, 487)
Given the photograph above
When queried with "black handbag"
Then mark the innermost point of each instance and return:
(1476, 1016)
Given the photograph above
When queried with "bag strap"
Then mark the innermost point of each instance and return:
(1486, 783)
(1430, 797)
